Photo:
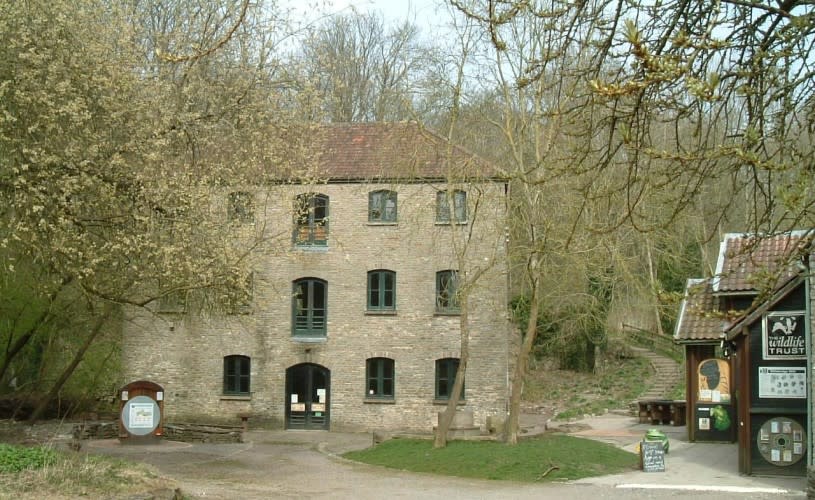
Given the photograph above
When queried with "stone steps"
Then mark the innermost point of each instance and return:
(667, 375)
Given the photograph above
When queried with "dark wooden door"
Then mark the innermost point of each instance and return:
(307, 397)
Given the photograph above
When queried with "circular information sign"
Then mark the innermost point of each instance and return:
(781, 441)
(141, 415)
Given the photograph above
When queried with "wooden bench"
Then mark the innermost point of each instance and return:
(662, 412)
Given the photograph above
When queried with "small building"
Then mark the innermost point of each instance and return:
(353, 320)
(710, 393)
(759, 307)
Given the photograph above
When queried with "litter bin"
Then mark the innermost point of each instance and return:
(657, 436)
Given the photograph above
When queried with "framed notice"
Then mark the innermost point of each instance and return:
(714, 381)
(141, 415)
(783, 335)
(775, 382)
(781, 441)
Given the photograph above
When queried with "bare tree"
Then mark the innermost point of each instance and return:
(362, 69)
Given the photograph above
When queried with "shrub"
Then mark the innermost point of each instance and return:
(19, 458)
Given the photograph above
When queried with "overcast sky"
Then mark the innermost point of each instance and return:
(424, 13)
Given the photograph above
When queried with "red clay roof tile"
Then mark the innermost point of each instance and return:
(699, 318)
(749, 263)
(385, 151)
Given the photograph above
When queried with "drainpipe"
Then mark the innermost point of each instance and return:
(809, 346)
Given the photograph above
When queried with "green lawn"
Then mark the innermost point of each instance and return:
(574, 458)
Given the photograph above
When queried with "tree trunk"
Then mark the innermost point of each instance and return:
(653, 279)
(23, 339)
(511, 428)
(446, 419)
(590, 355)
(69, 370)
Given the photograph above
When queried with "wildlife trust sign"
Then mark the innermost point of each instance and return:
(784, 335)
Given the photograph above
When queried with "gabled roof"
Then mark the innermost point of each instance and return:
(393, 151)
(751, 315)
(750, 263)
(699, 320)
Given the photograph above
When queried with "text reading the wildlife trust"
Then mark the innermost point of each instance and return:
(784, 336)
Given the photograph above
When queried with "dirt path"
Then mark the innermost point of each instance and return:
(266, 468)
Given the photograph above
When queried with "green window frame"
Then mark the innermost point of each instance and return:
(459, 212)
(447, 292)
(380, 376)
(237, 373)
(309, 307)
(446, 369)
(381, 290)
(241, 207)
(311, 219)
(382, 206)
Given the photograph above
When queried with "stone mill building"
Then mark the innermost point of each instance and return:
(354, 323)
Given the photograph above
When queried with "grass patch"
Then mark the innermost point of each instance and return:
(575, 458)
(43, 472)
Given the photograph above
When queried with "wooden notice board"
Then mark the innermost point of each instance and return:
(652, 456)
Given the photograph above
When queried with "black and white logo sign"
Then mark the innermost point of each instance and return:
(784, 335)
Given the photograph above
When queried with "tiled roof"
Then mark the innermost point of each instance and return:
(387, 151)
(698, 316)
(749, 263)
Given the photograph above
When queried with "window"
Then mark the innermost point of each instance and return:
(447, 291)
(241, 207)
(238, 297)
(379, 374)
(309, 307)
(459, 214)
(381, 290)
(236, 375)
(382, 206)
(311, 219)
(446, 369)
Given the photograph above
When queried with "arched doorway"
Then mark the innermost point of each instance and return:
(307, 397)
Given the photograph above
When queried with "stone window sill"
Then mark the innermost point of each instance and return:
(311, 248)
(309, 340)
(379, 401)
(236, 397)
(380, 313)
(443, 402)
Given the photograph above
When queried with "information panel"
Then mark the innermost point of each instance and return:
(781, 441)
(141, 415)
(782, 382)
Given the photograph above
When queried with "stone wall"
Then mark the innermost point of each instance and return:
(188, 433)
(184, 352)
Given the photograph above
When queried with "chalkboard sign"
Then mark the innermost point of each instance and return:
(652, 455)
